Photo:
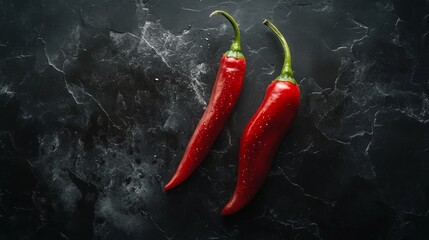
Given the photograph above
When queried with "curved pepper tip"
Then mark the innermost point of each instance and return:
(230, 208)
(226, 211)
(170, 185)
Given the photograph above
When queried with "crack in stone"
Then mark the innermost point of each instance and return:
(49, 59)
(296, 225)
(73, 94)
(18, 57)
(302, 190)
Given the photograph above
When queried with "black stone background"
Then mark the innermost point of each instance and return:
(98, 99)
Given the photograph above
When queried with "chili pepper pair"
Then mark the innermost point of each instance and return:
(263, 133)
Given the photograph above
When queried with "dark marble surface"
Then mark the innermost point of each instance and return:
(98, 99)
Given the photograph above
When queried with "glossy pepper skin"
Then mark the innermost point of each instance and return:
(264, 133)
(225, 93)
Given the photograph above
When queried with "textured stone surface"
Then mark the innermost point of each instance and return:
(99, 98)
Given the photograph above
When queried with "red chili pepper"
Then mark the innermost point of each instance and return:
(225, 93)
(264, 133)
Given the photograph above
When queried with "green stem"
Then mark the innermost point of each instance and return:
(286, 72)
(235, 49)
